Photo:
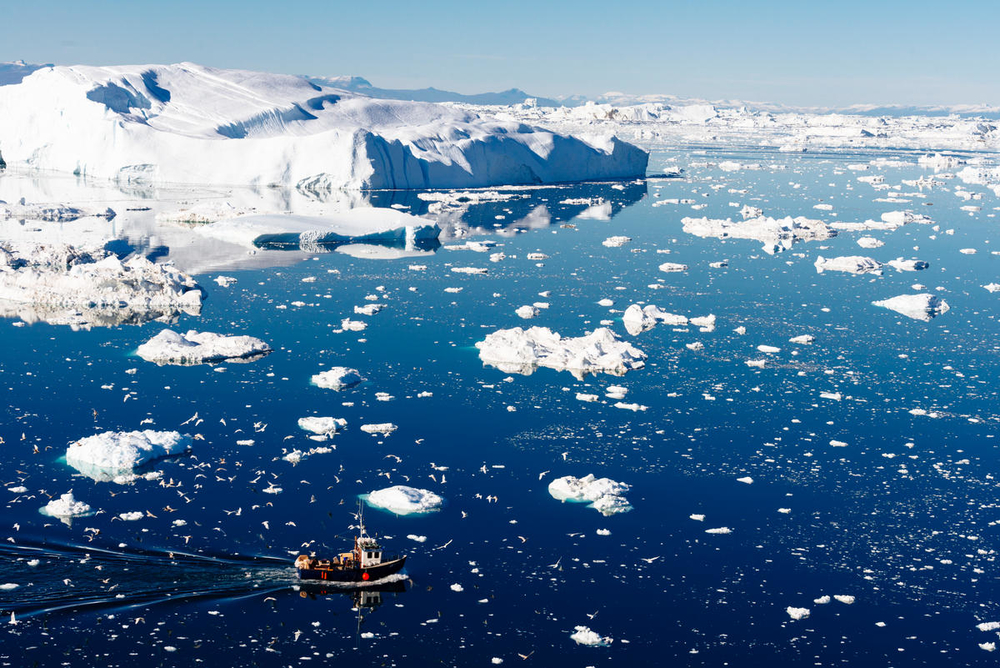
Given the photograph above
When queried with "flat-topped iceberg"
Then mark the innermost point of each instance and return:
(185, 123)
(170, 347)
(520, 350)
(337, 378)
(603, 494)
(404, 500)
(96, 284)
(851, 264)
(777, 234)
(322, 426)
(114, 454)
(922, 306)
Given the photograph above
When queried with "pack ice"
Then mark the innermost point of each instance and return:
(113, 454)
(97, 286)
(603, 494)
(404, 500)
(777, 235)
(169, 347)
(919, 307)
(522, 350)
(185, 123)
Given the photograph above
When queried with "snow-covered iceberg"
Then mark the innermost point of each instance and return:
(116, 454)
(922, 306)
(69, 285)
(520, 350)
(603, 494)
(170, 347)
(404, 500)
(185, 123)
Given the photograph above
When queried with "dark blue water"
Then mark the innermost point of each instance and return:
(902, 518)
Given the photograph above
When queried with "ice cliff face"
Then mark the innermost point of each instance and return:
(186, 123)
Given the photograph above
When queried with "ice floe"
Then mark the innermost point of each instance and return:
(322, 426)
(522, 350)
(582, 635)
(918, 307)
(603, 494)
(851, 264)
(337, 378)
(638, 319)
(170, 347)
(66, 506)
(797, 613)
(404, 500)
(776, 234)
(114, 455)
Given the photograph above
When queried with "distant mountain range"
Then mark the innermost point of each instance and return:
(365, 87)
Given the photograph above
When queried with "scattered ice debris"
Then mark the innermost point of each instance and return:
(96, 287)
(719, 531)
(404, 500)
(603, 494)
(582, 635)
(66, 506)
(382, 429)
(899, 264)
(638, 319)
(797, 613)
(108, 455)
(803, 339)
(616, 242)
(851, 264)
(918, 307)
(672, 267)
(527, 311)
(522, 350)
(322, 426)
(870, 242)
(170, 347)
(776, 234)
(337, 378)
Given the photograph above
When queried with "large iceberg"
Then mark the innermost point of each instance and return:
(521, 350)
(169, 347)
(115, 455)
(185, 123)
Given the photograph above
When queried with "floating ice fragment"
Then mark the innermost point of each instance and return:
(844, 598)
(416, 538)
(697, 517)
(719, 530)
(822, 600)
(802, 339)
(170, 347)
(899, 264)
(527, 311)
(522, 350)
(110, 454)
(383, 428)
(337, 378)
(851, 264)
(604, 495)
(746, 480)
(404, 500)
(66, 506)
(326, 426)
(457, 587)
(918, 307)
(673, 267)
(616, 242)
(131, 516)
(582, 635)
(797, 613)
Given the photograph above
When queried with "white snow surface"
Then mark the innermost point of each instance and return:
(170, 347)
(922, 306)
(520, 350)
(603, 494)
(186, 123)
(404, 500)
(110, 454)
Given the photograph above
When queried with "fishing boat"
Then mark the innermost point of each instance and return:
(365, 563)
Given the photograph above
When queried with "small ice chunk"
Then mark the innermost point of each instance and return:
(580, 396)
(383, 428)
(797, 613)
(768, 349)
(899, 264)
(697, 517)
(802, 339)
(603, 494)
(851, 264)
(923, 306)
(719, 531)
(416, 538)
(673, 267)
(457, 587)
(844, 598)
(404, 500)
(746, 480)
(521, 350)
(584, 636)
(337, 378)
(527, 311)
(66, 506)
(870, 242)
(822, 600)
(616, 242)
(326, 426)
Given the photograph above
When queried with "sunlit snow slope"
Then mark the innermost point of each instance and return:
(186, 123)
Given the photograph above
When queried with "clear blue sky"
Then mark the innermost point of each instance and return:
(803, 52)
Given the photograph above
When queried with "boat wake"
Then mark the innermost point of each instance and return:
(66, 577)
